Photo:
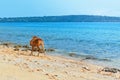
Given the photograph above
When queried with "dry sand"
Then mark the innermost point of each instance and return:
(18, 65)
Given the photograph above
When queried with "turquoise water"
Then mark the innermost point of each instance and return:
(101, 40)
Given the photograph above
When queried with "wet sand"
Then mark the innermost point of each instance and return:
(18, 65)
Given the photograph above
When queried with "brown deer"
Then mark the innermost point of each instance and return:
(37, 43)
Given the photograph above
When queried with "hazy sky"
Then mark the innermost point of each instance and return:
(13, 8)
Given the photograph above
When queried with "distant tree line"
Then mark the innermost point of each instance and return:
(69, 18)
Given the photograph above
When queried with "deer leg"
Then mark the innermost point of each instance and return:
(38, 50)
(43, 48)
(32, 51)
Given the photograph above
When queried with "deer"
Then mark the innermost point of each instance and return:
(37, 42)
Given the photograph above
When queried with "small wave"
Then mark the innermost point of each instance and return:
(64, 39)
(87, 57)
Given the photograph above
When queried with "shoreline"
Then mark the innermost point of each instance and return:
(18, 65)
(69, 55)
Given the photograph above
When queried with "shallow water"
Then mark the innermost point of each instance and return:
(101, 40)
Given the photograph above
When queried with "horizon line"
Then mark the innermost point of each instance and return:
(61, 15)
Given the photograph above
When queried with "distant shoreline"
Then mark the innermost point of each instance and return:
(65, 18)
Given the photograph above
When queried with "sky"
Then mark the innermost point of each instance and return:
(27, 8)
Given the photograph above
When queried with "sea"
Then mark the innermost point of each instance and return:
(96, 42)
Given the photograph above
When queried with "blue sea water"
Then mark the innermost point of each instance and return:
(98, 39)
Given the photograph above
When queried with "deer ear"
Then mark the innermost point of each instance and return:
(34, 36)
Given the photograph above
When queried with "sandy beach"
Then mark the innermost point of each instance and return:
(18, 65)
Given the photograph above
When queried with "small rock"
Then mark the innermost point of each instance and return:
(9, 60)
(67, 66)
(25, 46)
(25, 63)
(24, 49)
(65, 72)
(17, 46)
(39, 70)
(72, 54)
(35, 61)
(56, 75)
(4, 59)
(16, 49)
(38, 63)
(50, 50)
(46, 65)
(113, 70)
(6, 44)
(90, 57)
(86, 68)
